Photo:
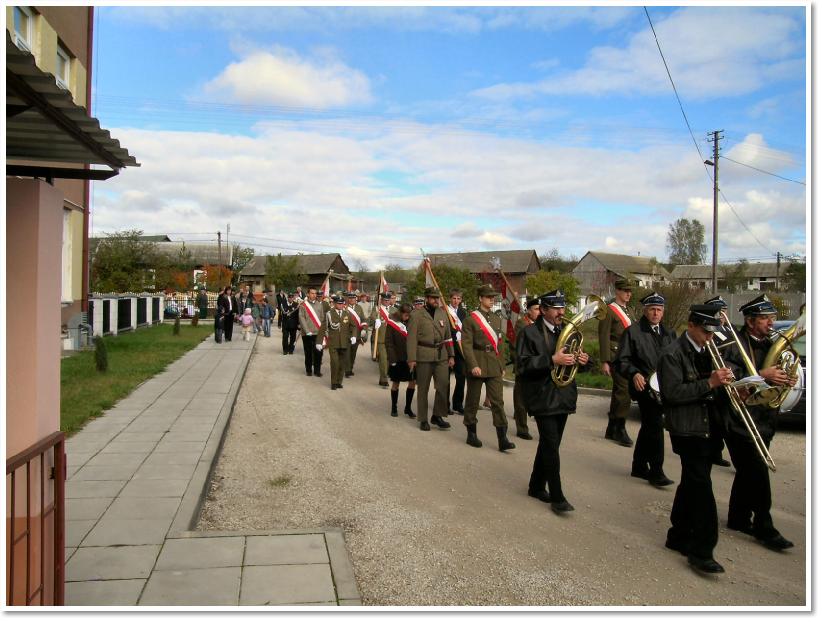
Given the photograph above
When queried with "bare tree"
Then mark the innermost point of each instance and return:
(686, 242)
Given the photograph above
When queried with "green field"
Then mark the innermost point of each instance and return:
(133, 358)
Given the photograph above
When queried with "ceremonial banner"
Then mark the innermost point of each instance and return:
(511, 309)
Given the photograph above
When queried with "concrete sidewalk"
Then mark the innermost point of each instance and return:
(136, 480)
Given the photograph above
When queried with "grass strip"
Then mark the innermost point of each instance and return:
(133, 358)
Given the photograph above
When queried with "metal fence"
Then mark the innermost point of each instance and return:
(124, 315)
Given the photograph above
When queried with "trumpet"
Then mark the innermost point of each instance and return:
(741, 410)
(570, 339)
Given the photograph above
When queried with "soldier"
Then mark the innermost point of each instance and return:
(481, 343)
(751, 490)
(619, 318)
(418, 303)
(311, 312)
(457, 313)
(338, 334)
(639, 350)
(430, 354)
(520, 411)
(396, 345)
(360, 323)
(723, 338)
(379, 317)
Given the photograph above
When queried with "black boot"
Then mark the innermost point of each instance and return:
(609, 431)
(409, 396)
(394, 395)
(657, 477)
(472, 436)
(502, 437)
(441, 423)
(621, 434)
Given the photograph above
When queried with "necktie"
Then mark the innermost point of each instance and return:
(656, 330)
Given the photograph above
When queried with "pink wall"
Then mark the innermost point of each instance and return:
(34, 230)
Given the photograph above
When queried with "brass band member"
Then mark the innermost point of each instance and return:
(688, 386)
(547, 403)
(532, 314)
(751, 490)
(611, 328)
(723, 338)
(639, 350)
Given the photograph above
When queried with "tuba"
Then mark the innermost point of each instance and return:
(783, 355)
(570, 339)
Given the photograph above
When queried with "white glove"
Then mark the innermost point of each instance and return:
(377, 324)
(319, 347)
(459, 336)
(362, 334)
(353, 340)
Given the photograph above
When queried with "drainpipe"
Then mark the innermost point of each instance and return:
(87, 183)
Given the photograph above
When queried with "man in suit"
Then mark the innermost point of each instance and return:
(338, 334)
(639, 350)
(532, 314)
(227, 306)
(482, 347)
(618, 318)
(458, 314)
(311, 314)
(547, 403)
(431, 354)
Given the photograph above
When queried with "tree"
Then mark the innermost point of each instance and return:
(448, 278)
(686, 242)
(216, 277)
(734, 276)
(240, 256)
(552, 260)
(549, 280)
(679, 296)
(794, 278)
(283, 272)
(122, 262)
(395, 273)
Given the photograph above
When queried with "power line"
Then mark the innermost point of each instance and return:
(801, 183)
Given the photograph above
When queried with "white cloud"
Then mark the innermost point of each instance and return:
(283, 78)
(711, 52)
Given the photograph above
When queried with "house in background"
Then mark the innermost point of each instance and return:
(758, 276)
(315, 267)
(597, 272)
(50, 142)
(517, 265)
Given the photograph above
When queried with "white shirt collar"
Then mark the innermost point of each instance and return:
(552, 328)
(693, 343)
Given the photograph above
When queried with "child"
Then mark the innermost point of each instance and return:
(247, 322)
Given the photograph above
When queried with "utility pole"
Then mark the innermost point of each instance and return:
(715, 137)
(219, 259)
(778, 261)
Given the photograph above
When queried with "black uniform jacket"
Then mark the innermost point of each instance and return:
(536, 345)
(687, 399)
(639, 351)
(764, 417)
(461, 314)
(396, 344)
(291, 316)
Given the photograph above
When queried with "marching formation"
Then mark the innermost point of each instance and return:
(710, 387)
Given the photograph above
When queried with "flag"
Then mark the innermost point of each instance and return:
(430, 279)
(383, 282)
(325, 288)
(511, 308)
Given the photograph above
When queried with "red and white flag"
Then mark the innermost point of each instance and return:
(511, 308)
(325, 288)
(430, 279)
(383, 283)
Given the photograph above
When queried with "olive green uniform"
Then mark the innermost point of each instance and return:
(520, 409)
(382, 355)
(478, 351)
(338, 328)
(352, 352)
(610, 332)
(430, 347)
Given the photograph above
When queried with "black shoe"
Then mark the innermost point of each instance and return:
(525, 435)
(348, 374)
(502, 439)
(721, 462)
(384, 384)
(621, 434)
(333, 387)
(542, 495)
(776, 543)
(308, 373)
(703, 564)
(659, 479)
(351, 373)
(458, 411)
(642, 472)
(676, 546)
(410, 413)
(609, 431)
(319, 374)
(743, 527)
(441, 423)
(394, 412)
(339, 386)
(560, 507)
(284, 353)
(472, 438)
(424, 426)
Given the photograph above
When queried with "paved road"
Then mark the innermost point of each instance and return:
(432, 521)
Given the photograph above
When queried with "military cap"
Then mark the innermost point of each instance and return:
(291, 294)
(531, 302)
(761, 305)
(486, 290)
(385, 295)
(554, 299)
(351, 295)
(653, 299)
(624, 284)
(705, 316)
(419, 301)
(337, 299)
(432, 292)
(717, 301)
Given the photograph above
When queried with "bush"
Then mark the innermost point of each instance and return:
(100, 354)
(176, 330)
(195, 320)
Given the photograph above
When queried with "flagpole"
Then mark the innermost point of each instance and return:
(377, 317)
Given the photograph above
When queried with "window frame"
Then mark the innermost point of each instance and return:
(24, 42)
(63, 81)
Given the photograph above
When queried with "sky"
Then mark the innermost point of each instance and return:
(380, 131)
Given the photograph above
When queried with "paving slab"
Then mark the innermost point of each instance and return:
(140, 437)
(139, 507)
(86, 509)
(78, 458)
(105, 472)
(112, 593)
(155, 488)
(286, 549)
(69, 551)
(122, 459)
(80, 489)
(125, 447)
(184, 553)
(120, 531)
(189, 436)
(164, 471)
(76, 530)
(96, 563)
(202, 586)
(167, 446)
(282, 585)
(192, 457)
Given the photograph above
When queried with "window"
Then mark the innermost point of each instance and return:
(63, 66)
(23, 27)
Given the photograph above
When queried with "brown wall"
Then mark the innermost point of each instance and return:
(71, 24)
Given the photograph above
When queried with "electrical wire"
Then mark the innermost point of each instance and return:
(801, 183)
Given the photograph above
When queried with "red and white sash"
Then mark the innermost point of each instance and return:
(399, 327)
(454, 316)
(355, 317)
(312, 314)
(384, 314)
(486, 329)
(620, 313)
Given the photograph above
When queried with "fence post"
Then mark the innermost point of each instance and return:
(162, 308)
(97, 320)
(113, 312)
(149, 310)
(134, 313)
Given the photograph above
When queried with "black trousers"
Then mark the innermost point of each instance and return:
(751, 490)
(546, 460)
(228, 325)
(313, 357)
(289, 339)
(694, 524)
(650, 442)
(458, 396)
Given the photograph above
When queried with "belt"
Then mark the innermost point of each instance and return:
(485, 348)
(430, 345)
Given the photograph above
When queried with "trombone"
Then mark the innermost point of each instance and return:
(741, 410)
(761, 395)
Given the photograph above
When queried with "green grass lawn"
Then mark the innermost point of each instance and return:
(133, 358)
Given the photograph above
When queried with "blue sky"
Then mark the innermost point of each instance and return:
(380, 130)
